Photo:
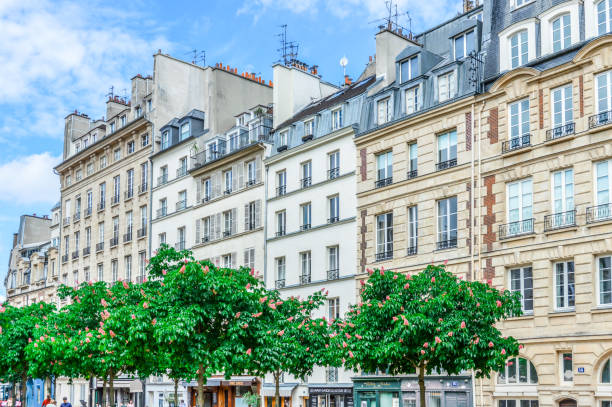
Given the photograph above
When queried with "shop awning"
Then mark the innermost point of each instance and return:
(209, 383)
(239, 381)
(285, 390)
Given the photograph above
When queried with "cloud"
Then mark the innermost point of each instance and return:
(30, 179)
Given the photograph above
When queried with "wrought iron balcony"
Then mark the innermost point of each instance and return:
(516, 143)
(282, 148)
(143, 188)
(560, 131)
(280, 283)
(251, 182)
(412, 174)
(228, 191)
(281, 190)
(127, 237)
(600, 119)
(227, 233)
(99, 246)
(305, 226)
(75, 254)
(443, 165)
(280, 232)
(181, 205)
(333, 173)
(142, 232)
(101, 206)
(76, 217)
(181, 171)
(333, 274)
(305, 278)
(306, 182)
(115, 200)
(559, 220)
(519, 228)
(180, 245)
(66, 221)
(86, 251)
(333, 219)
(162, 179)
(383, 182)
(161, 212)
(599, 213)
(205, 238)
(446, 244)
(64, 258)
(412, 250)
(114, 241)
(385, 255)
(307, 137)
(87, 212)
(128, 194)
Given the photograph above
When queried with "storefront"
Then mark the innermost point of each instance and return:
(285, 391)
(377, 391)
(219, 392)
(330, 396)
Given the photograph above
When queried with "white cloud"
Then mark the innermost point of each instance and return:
(30, 179)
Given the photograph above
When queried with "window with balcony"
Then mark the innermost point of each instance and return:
(280, 272)
(413, 230)
(464, 44)
(412, 99)
(181, 202)
(251, 168)
(333, 203)
(100, 244)
(184, 131)
(163, 208)
(604, 276)
(409, 69)
(519, 48)
(115, 239)
(384, 169)
(334, 165)
(228, 181)
(521, 281)
(281, 183)
(306, 211)
(385, 110)
(563, 211)
(336, 117)
(413, 161)
(207, 229)
(518, 371)
(306, 174)
(308, 130)
(228, 223)
(447, 86)
(114, 270)
(281, 223)
(520, 209)
(207, 190)
(447, 223)
(384, 236)
(447, 150)
(333, 307)
(561, 32)
(562, 114)
(306, 262)
(142, 232)
(519, 126)
(564, 286)
(333, 261)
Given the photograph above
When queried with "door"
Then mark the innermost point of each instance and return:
(568, 403)
(455, 399)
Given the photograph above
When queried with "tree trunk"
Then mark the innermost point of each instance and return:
(176, 392)
(422, 385)
(24, 389)
(13, 394)
(111, 379)
(277, 389)
(201, 385)
(104, 393)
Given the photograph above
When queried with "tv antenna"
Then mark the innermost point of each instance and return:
(391, 20)
(343, 63)
(288, 49)
(111, 92)
(197, 57)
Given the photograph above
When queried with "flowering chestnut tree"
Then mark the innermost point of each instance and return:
(430, 321)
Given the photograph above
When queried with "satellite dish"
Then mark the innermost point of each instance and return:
(343, 64)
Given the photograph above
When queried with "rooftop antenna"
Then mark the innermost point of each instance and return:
(111, 92)
(124, 90)
(391, 20)
(343, 64)
(288, 49)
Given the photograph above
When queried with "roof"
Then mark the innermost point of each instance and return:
(340, 96)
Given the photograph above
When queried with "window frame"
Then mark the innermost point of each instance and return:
(409, 62)
(516, 361)
(522, 56)
(336, 118)
(464, 37)
(564, 40)
(569, 293)
(565, 112)
(607, 19)
(598, 259)
(414, 90)
(451, 79)
(384, 235)
(449, 215)
(384, 102)
(522, 289)
(562, 380)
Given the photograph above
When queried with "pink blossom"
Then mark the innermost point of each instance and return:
(351, 354)
(476, 340)
(281, 333)
(503, 351)
(103, 302)
(521, 346)
(2, 309)
(36, 345)
(272, 305)
(422, 352)
(154, 321)
(380, 305)
(182, 270)
(401, 340)
(499, 304)
(145, 305)
(395, 277)
(450, 333)
(248, 286)
(438, 340)
(257, 315)
(358, 336)
(87, 340)
(237, 315)
(446, 262)
(478, 304)
(248, 352)
(327, 345)
(164, 272)
(206, 269)
(362, 282)
(490, 344)
(125, 285)
(426, 345)
(133, 316)
(433, 279)
(440, 320)
(406, 286)
(406, 322)
(112, 334)
(344, 345)
(462, 324)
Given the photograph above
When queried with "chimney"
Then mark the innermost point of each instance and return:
(347, 80)
(468, 5)
(14, 239)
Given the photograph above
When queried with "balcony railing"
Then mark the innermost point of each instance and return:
(412, 250)
(306, 138)
(227, 233)
(333, 173)
(115, 200)
(76, 217)
(205, 238)
(516, 143)
(383, 182)
(305, 278)
(99, 246)
(600, 119)
(180, 245)
(250, 226)
(519, 228)
(87, 212)
(128, 194)
(386, 255)
(559, 220)
(66, 221)
(64, 258)
(101, 205)
(228, 191)
(143, 188)
(162, 179)
(142, 232)
(251, 181)
(161, 212)
(412, 174)
(560, 131)
(333, 219)
(245, 138)
(281, 190)
(305, 226)
(86, 251)
(446, 244)
(280, 283)
(306, 182)
(282, 148)
(114, 241)
(75, 254)
(280, 232)
(181, 205)
(181, 171)
(443, 165)
(599, 213)
(333, 274)
(127, 237)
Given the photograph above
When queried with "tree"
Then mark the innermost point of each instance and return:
(202, 310)
(428, 322)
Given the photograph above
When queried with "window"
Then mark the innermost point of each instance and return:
(112, 127)
(143, 217)
(384, 110)
(566, 367)
(227, 260)
(100, 272)
(334, 209)
(306, 174)
(182, 200)
(182, 167)
(207, 189)
(306, 210)
(162, 238)
(103, 162)
(564, 286)
(282, 138)
(413, 229)
(116, 227)
(130, 183)
(251, 173)
(562, 106)
(603, 182)
(309, 128)
(333, 261)
(280, 268)
(184, 131)
(334, 164)
(123, 120)
(409, 399)
(101, 232)
(412, 160)
(68, 180)
(131, 146)
(562, 35)
(447, 150)
(249, 258)
(227, 176)
(281, 223)
(117, 154)
(138, 111)
(562, 200)
(519, 120)
(75, 277)
(207, 232)
(149, 105)
(518, 370)
(384, 236)
(521, 281)
(144, 176)
(306, 262)
(88, 237)
(228, 221)
(333, 306)
(518, 403)
(447, 223)
(605, 280)
(281, 183)
(604, 17)
(447, 86)
(128, 268)
(464, 44)
(250, 216)
(163, 207)
(518, 49)
(336, 118)
(180, 238)
(79, 175)
(409, 69)
(90, 168)
(77, 240)
(520, 208)
(114, 270)
(144, 140)
(384, 169)
(605, 372)
(165, 139)
(412, 100)
(116, 188)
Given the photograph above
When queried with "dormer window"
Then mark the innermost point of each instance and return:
(309, 128)
(184, 131)
(604, 16)
(464, 44)
(409, 69)
(138, 111)
(336, 118)
(123, 120)
(412, 99)
(93, 138)
(447, 86)
(164, 139)
(520, 3)
(384, 110)
(562, 34)
(112, 127)
(519, 48)
(282, 138)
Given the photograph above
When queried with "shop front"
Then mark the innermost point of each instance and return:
(330, 396)
(287, 396)
(219, 392)
(377, 391)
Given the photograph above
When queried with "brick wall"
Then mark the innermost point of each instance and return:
(489, 218)
(493, 125)
(468, 131)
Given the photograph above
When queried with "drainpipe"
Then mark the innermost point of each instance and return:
(471, 195)
(265, 270)
(480, 215)
(150, 220)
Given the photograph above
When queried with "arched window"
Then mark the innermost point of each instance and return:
(518, 371)
(519, 48)
(604, 14)
(561, 32)
(605, 372)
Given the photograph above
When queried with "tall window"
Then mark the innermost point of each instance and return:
(130, 183)
(309, 128)
(100, 271)
(251, 173)
(384, 169)
(336, 116)
(144, 176)
(131, 146)
(384, 236)
(563, 198)
(518, 370)
(103, 162)
(165, 139)
(412, 100)
(413, 158)
(604, 17)
(520, 207)
(144, 140)
(447, 150)
(207, 189)
(413, 229)
(184, 131)
(250, 215)
(333, 261)
(116, 188)
(464, 44)
(249, 258)
(227, 223)
(77, 240)
(605, 373)
(521, 281)
(182, 200)
(409, 69)
(101, 232)
(102, 195)
(88, 237)
(333, 305)
(564, 285)
(384, 110)
(227, 176)
(306, 210)
(334, 209)
(281, 223)
(142, 264)
(562, 106)
(128, 268)
(519, 49)
(605, 280)
(604, 96)
(566, 366)
(306, 174)
(284, 135)
(603, 185)
(281, 182)
(562, 34)
(305, 260)
(182, 167)
(447, 223)
(114, 270)
(89, 201)
(447, 86)
(180, 237)
(280, 268)
(334, 164)
(116, 227)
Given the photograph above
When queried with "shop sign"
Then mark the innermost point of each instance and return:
(329, 390)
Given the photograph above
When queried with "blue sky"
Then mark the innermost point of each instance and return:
(57, 56)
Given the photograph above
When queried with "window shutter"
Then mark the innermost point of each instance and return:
(246, 258)
(234, 220)
(246, 217)
(234, 177)
(198, 191)
(257, 213)
(241, 175)
(216, 186)
(233, 260)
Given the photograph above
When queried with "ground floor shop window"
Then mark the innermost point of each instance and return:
(389, 399)
(518, 403)
(409, 399)
(434, 399)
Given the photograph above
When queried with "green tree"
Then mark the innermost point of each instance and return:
(431, 321)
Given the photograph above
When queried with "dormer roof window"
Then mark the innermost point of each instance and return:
(464, 44)
(409, 69)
